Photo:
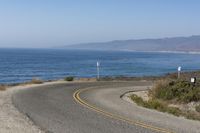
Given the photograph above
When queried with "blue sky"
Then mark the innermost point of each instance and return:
(48, 23)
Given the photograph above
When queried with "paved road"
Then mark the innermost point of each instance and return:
(98, 110)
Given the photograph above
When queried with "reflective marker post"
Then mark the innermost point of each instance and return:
(98, 65)
(179, 72)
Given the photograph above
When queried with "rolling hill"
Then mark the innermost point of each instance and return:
(182, 44)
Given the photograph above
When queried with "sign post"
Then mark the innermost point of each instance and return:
(179, 72)
(98, 65)
(193, 80)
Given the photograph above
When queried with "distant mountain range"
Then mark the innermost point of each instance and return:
(176, 44)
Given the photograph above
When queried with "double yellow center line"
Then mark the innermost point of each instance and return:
(77, 98)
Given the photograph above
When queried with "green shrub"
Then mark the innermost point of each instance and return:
(157, 105)
(197, 108)
(138, 100)
(193, 95)
(159, 89)
(175, 111)
(70, 78)
(181, 91)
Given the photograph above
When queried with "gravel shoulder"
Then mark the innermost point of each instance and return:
(11, 120)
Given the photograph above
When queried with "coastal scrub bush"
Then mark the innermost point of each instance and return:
(175, 111)
(70, 78)
(138, 100)
(180, 91)
(159, 89)
(156, 104)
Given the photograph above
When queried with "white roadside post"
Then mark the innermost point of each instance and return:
(98, 65)
(179, 72)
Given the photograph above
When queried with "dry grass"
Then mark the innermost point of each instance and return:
(87, 79)
(36, 81)
(2, 88)
(157, 105)
(33, 81)
(158, 86)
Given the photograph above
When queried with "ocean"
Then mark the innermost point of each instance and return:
(20, 65)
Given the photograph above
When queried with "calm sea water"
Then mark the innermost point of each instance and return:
(19, 65)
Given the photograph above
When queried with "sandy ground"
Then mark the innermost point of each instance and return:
(11, 120)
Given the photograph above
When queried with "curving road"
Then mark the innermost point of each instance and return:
(94, 108)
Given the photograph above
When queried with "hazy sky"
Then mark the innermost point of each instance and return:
(47, 23)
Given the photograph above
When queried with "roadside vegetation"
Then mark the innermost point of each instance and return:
(177, 97)
(180, 91)
(34, 81)
(70, 78)
(171, 76)
(156, 104)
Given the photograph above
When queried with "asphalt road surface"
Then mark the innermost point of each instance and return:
(94, 107)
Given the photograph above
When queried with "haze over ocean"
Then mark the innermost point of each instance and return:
(19, 65)
(54, 23)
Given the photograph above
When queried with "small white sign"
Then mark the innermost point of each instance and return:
(98, 63)
(179, 68)
(192, 80)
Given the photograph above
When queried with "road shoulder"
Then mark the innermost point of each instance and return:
(11, 119)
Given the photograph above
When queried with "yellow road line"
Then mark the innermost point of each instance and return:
(77, 98)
